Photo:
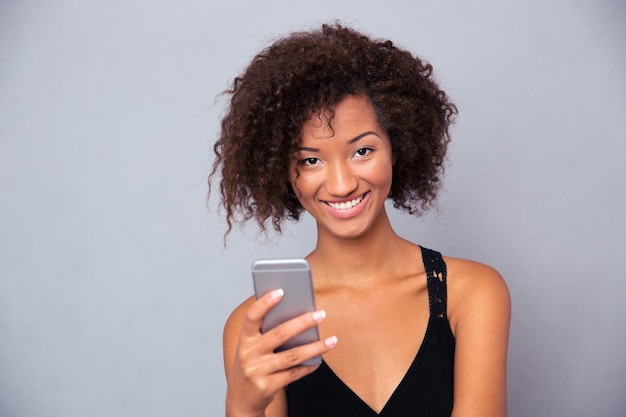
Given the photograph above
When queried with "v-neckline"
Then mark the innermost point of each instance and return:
(396, 389)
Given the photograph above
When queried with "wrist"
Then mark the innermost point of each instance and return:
(239, 413)
(235, 408)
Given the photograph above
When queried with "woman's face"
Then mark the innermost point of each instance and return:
(342, 170)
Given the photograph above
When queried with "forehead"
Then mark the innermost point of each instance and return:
(348, 118)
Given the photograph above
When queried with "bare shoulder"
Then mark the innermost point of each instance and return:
(479, 312)
(232, 328)
(474, 287)
(235, 319)
(467, 272)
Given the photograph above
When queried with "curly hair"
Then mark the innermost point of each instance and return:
(311, 70)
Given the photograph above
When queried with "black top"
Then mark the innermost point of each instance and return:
(426, 388)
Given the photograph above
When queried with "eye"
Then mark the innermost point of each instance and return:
(363, 151)
(308, 161)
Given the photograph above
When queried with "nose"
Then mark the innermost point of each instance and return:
(340, 181)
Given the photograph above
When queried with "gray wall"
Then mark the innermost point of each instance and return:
(114, 284)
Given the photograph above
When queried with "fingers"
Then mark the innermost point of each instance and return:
(257, 372)
(260, 378)
(259, 309)
(284, 332)
(254, 344)
(285, 367)
(295, 356)
(281, 333)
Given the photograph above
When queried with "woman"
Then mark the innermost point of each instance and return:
(335, 123)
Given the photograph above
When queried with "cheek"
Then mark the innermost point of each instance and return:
(385, 178)
(305, 185)
(382, 174)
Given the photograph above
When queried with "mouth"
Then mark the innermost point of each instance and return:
(346, 205)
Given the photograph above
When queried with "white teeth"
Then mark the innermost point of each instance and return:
(345, 205)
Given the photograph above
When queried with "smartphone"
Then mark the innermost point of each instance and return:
(294, 277)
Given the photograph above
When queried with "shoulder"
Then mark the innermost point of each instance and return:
(479, 311)
(475, 289)
(235, 319)
(232, 328)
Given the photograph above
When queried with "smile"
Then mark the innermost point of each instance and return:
(345, 205)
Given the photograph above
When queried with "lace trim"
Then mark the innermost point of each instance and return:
(436, 281)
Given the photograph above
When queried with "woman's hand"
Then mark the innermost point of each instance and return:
(255, 374)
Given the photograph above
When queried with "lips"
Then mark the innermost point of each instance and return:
(346, 205)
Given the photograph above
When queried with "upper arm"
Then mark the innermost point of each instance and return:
(480, 311)
(232, 329)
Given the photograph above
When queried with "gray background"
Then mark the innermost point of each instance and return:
(114, 284)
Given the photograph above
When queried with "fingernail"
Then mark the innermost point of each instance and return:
(331, 341)
(319, 315)
(277, 294)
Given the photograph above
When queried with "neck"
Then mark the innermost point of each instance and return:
(357, 260)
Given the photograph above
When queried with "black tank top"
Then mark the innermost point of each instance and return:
(426, 388)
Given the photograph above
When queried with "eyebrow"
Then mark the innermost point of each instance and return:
(369, 132)
(351, 141)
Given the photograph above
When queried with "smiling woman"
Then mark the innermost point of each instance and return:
(335, 123)
(342, 170)
(304, 75)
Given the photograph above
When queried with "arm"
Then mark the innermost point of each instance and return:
(480, 312)
(256, 376)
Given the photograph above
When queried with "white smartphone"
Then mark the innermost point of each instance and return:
(294, 277)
